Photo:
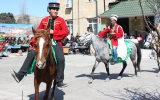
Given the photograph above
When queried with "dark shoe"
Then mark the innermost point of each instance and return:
(113, 62)
(61, 85)
(16, 76)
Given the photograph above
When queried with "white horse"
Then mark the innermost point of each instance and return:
(155, 53)
(102, 54)
(147, 43)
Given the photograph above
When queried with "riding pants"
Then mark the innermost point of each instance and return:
(27, 62)
(60, 62)
(115, 53)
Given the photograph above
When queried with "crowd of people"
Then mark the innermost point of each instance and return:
(77, 48)
(139, 37)
(10, 42)
(13, 41)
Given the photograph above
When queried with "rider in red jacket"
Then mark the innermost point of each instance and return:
(116, 32)
(58, 32)
(60, 29)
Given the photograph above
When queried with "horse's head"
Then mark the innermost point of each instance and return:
(148, 41)
(85, 37)
(42, 46)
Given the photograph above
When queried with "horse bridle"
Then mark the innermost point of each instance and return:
(42, 35)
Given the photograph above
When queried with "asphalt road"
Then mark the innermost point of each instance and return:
(78, 67)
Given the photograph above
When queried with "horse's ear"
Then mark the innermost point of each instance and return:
(33, 30)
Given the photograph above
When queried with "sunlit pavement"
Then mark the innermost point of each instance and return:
(77, 70)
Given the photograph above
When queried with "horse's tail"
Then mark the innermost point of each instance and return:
(139, 56)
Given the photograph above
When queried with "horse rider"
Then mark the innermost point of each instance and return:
(116, 32)
(58, 31)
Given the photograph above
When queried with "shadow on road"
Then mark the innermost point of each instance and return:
(58, 95)
(103, 76)
(155, 70)
(141, 93)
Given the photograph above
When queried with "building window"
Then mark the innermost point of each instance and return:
(69, 3)
(70, 26)
(91, 0)
(93, 24)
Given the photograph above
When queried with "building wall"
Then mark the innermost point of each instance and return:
(105, 22)
(136, 24)
(86, 10)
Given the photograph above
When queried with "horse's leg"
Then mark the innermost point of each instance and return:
(107, 69)
(36, 86)
(93, 69)
(54, 86)
(48, 86)
(158, 62)
(133, 59)
(124, 67)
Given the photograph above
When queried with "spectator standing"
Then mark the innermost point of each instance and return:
(19, 41)
(139, 38)
(126, 36)
(77, 36)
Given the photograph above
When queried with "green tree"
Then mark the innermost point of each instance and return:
(7, 18)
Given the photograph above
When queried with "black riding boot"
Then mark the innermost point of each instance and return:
(27, 63)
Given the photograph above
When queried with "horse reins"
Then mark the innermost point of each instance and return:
(48, 52)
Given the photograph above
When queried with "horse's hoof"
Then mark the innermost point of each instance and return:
(134, 76)
(119, 77)
(158, 75)
(90, 81)
(107, 80)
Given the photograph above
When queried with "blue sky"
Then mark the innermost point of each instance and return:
(33, 7)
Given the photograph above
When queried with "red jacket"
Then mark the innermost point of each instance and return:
(2, 45)
(118, 33)
(60, 29)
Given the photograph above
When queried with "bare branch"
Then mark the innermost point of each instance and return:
(155, 6)
(144, 16)
(24, 17)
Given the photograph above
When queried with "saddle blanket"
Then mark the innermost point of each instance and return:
(128, 47)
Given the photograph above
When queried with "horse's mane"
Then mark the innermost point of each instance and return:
(40, 33)
(101, 39)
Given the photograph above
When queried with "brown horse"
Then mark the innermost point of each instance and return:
(45, 67)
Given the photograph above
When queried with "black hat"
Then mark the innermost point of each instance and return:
(53, 5)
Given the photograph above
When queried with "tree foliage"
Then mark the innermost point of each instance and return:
(7, 18)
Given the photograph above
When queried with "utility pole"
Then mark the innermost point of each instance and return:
(104, 1)
(96, 7)
(97, 15)
(72, 17)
